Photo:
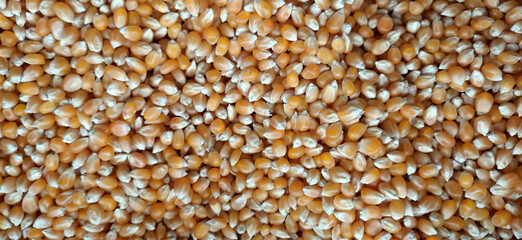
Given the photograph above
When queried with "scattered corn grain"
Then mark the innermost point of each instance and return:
(260, 119)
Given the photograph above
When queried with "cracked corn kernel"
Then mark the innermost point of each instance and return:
(262, 119)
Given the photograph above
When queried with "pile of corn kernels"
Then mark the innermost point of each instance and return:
(261, 119)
